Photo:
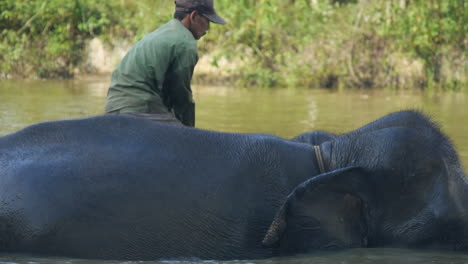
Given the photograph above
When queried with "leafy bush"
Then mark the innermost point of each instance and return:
(427, 28)
(47, 37)
(332, 43)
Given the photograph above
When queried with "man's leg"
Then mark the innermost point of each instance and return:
(167, 118)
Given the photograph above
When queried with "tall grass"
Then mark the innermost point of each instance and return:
(312, 43)
(366, 43)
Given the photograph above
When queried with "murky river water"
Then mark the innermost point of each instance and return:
(354, 256)
(282, 112)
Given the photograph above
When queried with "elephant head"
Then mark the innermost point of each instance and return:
(350, 208)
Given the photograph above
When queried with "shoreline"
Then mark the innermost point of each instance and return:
(375, 68)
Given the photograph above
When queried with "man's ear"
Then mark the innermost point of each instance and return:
(340, 194)
(188, 19)
(193, 15)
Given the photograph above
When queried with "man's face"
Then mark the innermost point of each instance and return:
(199, 25)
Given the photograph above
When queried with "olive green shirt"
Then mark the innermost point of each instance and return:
(155, 75)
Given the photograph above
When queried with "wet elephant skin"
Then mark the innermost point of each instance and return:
(117, 187)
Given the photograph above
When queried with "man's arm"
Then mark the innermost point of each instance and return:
(179, 88)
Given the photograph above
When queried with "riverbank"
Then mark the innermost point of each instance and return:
(320, 43)
(341, 66)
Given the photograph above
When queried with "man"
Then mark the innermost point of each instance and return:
(153, 79)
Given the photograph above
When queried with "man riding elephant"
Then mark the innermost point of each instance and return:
(153, 79)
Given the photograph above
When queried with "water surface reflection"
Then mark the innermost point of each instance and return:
(354, 256)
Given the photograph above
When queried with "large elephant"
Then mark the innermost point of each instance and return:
(396, 182)
(117, 187)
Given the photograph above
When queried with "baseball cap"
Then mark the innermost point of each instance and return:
(205, 7)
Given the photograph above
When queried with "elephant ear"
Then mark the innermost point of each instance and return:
(326, 210)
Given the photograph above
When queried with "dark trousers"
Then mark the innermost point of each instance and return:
(167, 118)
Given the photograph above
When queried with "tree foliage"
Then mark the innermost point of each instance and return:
(303, 42)
(329, 43)
(48, 37)
(425, 28)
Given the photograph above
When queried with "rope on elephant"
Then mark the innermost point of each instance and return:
(318, 154)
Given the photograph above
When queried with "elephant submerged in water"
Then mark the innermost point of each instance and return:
(396, 182)
(117, 187)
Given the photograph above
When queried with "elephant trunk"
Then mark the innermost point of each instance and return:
(458, 189)
(458, 192)
(463, 197)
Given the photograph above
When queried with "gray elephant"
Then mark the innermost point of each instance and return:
(117, 187)
(396, 182)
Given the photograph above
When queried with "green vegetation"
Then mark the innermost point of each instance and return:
(311, 43)
(47, 38)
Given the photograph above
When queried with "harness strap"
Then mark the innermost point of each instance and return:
(318, 155)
